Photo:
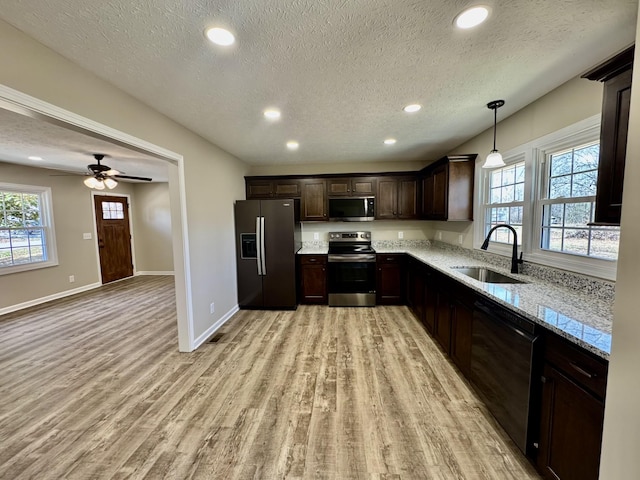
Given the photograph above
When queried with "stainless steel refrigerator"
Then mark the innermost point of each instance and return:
(267, 239)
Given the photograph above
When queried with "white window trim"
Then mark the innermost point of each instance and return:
(534, 153)
(47, 222)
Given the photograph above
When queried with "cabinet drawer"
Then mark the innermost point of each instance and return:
(579, 365)
(389, 258)
(313, 259)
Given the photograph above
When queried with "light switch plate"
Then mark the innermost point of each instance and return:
(86, 236)
(316, 236)
(401, 235)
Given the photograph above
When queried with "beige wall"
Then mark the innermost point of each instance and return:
(344, 167)
(576, 100)
(72, 216)
(380, 229)
(213, 178)
(621, 443)
(152, 227)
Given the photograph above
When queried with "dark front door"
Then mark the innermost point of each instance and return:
(114, 237)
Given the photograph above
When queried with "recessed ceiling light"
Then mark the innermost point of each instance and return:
(35, 158)
(220, 36)
(272, 114)
(292, 145)
(390, 141)
(472, 17)
(412, 108)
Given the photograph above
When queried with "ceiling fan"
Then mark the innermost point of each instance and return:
(104, 176)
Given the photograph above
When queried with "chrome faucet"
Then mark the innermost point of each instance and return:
(514, 257)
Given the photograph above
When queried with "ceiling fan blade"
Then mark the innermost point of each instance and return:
(144, 179)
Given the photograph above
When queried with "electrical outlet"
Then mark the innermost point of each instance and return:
(460, 239)
(212, 307)
(72, 278)
(316, 236)
(401, 235)
(86, 236)
(439, 235)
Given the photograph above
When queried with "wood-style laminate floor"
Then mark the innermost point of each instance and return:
(93, 387)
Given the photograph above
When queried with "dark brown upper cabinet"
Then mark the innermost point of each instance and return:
(313, 204)
(397, 198)
(447, 188)
(272, 188)
(615, 73)
(351, 187)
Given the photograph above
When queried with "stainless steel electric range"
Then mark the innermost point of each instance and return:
(352, 270)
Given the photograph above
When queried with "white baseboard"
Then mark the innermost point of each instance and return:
(213, 328)
(48, 298)
(169, 272)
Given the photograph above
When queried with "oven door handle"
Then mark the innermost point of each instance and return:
(351, 258)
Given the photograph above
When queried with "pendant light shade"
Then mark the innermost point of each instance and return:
(494, 159)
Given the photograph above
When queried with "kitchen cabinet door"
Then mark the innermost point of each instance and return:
(440, 192)
(415, 287)
(430, 300)
(257, 189)
(442, 328)
(616, 74)
(314, 200)
(461, 334)
(261, 188)
(363, 186)
(339, 187)
(390, 279)
(313, 279)
(407, 198)
(397, 198)
(387, 199)
(570, 429)
(447, 188)
(574, 384)
(351, 187)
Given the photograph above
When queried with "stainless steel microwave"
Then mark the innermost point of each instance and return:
(350, 209)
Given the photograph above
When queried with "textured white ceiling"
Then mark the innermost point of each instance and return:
(64, 149)
(340, 70)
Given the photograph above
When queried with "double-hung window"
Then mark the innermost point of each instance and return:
(547, 192)
(505, 202)
(568, 203)
(26, 228)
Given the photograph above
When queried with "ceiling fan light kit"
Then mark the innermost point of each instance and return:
(103, 176)
(494, 159)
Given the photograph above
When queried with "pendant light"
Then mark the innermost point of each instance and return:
(494, 159)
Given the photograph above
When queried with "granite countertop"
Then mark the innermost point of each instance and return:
(583, 319)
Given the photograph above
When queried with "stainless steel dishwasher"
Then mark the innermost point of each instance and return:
(502, 352)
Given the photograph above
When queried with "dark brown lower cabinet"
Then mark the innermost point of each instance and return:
(430, 304)
(415, 287)
(390, 279)
(442, 327)
(313, 279)
(461, 330)
(571, 413)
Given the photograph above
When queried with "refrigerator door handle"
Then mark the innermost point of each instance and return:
(262, 255)
(259, 242)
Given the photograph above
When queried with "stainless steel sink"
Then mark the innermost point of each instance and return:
(486, 275)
